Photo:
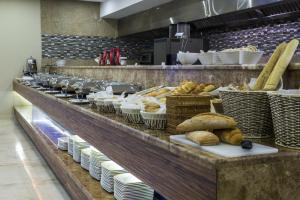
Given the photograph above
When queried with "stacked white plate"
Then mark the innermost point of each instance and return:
(128, 187)
(70, 144)
(109, 170)
(85, 158)
(96, 159)
(78, 145)
(62, 143)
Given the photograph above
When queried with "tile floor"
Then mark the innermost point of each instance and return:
(24, 175)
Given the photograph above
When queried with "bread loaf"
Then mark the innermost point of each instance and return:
(206, 121)
(230, 136)
(264, 75)
(203, 138)
(281, 65)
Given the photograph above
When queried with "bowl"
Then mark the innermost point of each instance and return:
(187, 58)
(248, 57)
(206, 58)
(229, 57)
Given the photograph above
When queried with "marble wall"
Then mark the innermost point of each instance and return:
(264, 37)
(156, 75)
(89, 47)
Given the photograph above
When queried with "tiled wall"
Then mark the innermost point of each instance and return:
(89, 47)
(265, 37)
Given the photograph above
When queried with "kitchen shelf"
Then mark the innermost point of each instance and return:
(77, 181)
(175, 171)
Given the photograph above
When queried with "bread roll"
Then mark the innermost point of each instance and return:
(281, 65)
(230, 136)
(203, 138)
(264, 75)
(207, 121)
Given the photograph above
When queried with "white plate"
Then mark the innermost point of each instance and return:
(52, 92)
(63, 95)
(79, 101)
(42, 89)
(111, 166)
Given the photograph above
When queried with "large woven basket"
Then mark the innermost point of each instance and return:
(285, 107)
(251, 110)
(181, 108)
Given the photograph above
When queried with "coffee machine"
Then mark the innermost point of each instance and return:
(31, 66)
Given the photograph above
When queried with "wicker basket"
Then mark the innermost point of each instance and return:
(251, 109)
(156, 121)
(285, 109)
(181, 108)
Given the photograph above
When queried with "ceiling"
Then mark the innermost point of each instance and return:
(116, 9)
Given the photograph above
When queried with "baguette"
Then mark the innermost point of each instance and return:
(230, 136)
(203, 138)
(207, 121)
(281, 65)
(264, 75)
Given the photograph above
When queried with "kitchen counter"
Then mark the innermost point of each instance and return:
(175, 171)
(153, 75)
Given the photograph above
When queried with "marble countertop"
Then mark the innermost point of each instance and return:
(292, 66)
(161, 138)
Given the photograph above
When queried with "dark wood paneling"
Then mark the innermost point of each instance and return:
(172, 175)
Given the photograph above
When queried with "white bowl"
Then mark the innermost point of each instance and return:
(248, 57)
(206, 58)
(187, 58)
(229, 57)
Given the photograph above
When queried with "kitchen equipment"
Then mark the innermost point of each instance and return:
(31, 66)
(117, 56)
(225, 150)
(187, 58)
(248, 57)
(123, 61)
(165, 49)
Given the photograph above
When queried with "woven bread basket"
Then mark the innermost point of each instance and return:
(251, 109)
(285, 107)
(183, 107)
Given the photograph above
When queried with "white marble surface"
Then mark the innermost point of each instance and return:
(24, 175)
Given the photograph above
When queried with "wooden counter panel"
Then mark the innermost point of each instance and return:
(168, 173)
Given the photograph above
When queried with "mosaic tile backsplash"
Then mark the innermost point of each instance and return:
(89, 47)
(265, 37)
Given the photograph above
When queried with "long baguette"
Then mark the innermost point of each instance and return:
(264, 75)
(281, 65)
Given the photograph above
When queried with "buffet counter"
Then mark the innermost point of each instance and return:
(175, 171)
(153, 75)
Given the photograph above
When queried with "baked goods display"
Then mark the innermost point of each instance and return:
(264, 75)
(270, 76)
(203, 137)
(211, 128)
(207, 121)
(281, 65)
(193, 88)
(230, 136)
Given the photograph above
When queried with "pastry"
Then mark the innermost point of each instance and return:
(151, 107)
(281, 65)
(203, 138)
(207, 121)
(264, 75)
(209, 88)
(158, 92)
(230, 136)
(198, 89)
(189, 86)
